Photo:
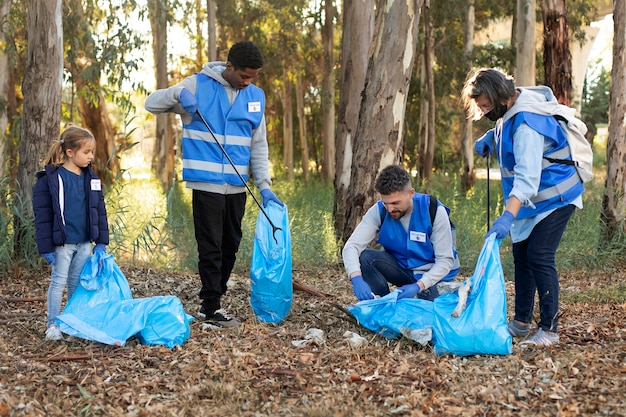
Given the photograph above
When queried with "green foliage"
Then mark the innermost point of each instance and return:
(595, 102)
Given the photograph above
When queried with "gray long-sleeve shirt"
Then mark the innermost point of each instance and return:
(441, 239)
(167, 100)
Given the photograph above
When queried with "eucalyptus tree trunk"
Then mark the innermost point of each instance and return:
(304, 146)
(358, 26)
(379, 134)
(163, 160)
(614, 201)
(328, 93)
(42, 103)
(287, 126)
(427, 116)
(210, 8)
(525, 56)
(468, 177)
(557, 59)
(5, 88)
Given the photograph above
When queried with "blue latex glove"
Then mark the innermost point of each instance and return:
(501, 226)
(49, 257)
(408, 291)
(100, 247)
(188, 101)
(485, 144)
(361, 289)
(268, 195)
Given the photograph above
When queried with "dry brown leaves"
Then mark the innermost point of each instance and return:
(255, 370)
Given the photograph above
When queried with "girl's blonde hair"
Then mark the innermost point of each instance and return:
(73, 138)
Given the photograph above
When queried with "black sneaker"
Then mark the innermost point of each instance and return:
(220, 318)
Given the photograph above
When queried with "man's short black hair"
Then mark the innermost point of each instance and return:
(391, 179)
(244, 55)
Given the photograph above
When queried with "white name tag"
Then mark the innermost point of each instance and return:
(96, 185)
(254, 107)
(417, 236)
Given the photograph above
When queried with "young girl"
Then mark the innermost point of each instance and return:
(69, 214)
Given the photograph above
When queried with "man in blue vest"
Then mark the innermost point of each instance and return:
(417, 241)
(234, 108)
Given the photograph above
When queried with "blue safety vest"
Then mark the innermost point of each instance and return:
(412, 249)
(232, 125)
(559, 184)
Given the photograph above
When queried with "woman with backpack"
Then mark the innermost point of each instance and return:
(540, 185)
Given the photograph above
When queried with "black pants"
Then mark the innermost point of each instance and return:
(217, 223)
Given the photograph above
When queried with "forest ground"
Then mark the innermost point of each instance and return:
(256, 370)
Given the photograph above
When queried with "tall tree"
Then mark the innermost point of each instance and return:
(381, 117)
(328, 92)
(287, 126)
(163, 160)
(427, 93)
(468, 177)
(212, 30)
(614, 201)
(42, 98)
(304, 146)
(525, 72)
(358, 26)
(5, 88)
(557, 59)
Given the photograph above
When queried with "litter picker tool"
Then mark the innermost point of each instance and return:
(488, 199)
(274, 227)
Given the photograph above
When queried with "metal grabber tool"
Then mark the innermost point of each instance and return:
(274, 227)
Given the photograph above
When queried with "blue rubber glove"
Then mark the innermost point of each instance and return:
(100, 247)
(49, 257)
(188, 101)
(502, 225)
(268, 195)
(361, 289)
(485, 144)
(408, 291)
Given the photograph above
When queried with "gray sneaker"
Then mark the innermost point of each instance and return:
(518, 330)
(541, 338)
(220, 318)
(54, 333)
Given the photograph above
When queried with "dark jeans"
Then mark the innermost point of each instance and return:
(379, 268)
(217, 223)
(535, 270)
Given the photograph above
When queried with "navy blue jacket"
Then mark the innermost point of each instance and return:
(49, 226)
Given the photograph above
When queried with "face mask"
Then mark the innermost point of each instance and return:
(496, 113)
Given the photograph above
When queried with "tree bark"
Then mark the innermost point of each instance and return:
(328, 93)
(5, 87)
(42, 102)
(212, 43)
(381, 117)
(614, 201)
(287, 127)
(304, 146)
(557, 58)
(525, 58)
(163, 159)
(358, 26)
(427, 152)
(468, 177)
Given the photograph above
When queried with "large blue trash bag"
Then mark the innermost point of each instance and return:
(102, 309)
(482, 327)
(390, 317)
(270, 270)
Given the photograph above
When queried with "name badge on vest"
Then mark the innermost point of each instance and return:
(254, 107)
(96, 185)
(417, 236)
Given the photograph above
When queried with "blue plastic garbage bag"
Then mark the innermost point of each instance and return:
(390, 317)
(482, 327)
(102, 309)
(270, 270)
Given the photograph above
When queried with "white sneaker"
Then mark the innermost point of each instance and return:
(54, 333)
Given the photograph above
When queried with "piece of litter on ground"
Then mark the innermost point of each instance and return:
(355, 339)
(312, 337)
